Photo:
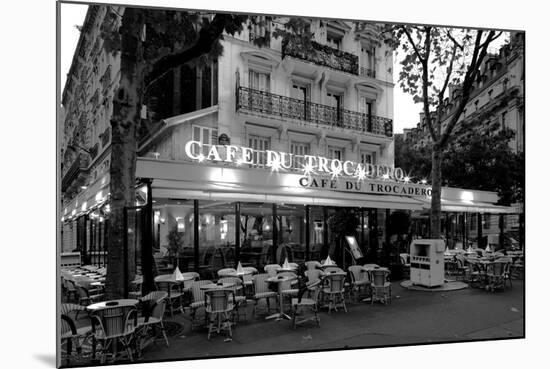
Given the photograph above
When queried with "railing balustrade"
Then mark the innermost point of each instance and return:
(287, 107)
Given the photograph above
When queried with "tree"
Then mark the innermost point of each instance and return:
(435, 58)
(150, 42)
(482, 161)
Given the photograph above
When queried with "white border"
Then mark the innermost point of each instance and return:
(28, 186)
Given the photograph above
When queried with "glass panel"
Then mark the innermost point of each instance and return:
(292, 233)
(256, 234)
(173, 227)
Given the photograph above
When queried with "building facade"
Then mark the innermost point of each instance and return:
(250, 157)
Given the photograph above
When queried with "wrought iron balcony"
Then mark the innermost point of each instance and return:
(323, 55)
(287, 107)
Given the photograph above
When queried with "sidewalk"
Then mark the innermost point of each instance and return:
(413, 317)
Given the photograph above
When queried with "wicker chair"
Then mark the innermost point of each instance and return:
(360, 280)
(87, 297)
(496, 275)
(381, 287)
(198, 299)
(174, 294)
(261, 290)
(70, 334)
(226, 272)
(272, 269)
(115, 323)
(333, 290)
(299, 305)
(218, 307)
(312, 264)
(238, 298)
(287, 289)
(154, 305)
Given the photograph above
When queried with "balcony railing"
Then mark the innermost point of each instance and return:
(323, 55)
(287, 107)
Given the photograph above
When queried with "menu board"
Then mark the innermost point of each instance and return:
(354, 247)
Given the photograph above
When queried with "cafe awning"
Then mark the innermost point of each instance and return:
(471, 207)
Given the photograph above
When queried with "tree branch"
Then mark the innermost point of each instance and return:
(415, 48)
(461, 47)
(448, 77)
(203, 45)
(425, 82)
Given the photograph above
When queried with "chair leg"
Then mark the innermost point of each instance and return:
(164, 333)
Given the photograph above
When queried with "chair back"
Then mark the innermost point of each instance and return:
(313, 275)
(71, 286)
(405, 258)
(194, 275)
(335, 282)
(357, 273)
(217, 301)
(226, 272)
(312, 265)
(167, 287)
(67, 322)
(379, 277)
(154, 305)
(371, 266)
(115, 321)
(497, 268)
(271, 269)
(155, 296)
(236, 281)
(331, 269)
(196, 292)
(260, 284)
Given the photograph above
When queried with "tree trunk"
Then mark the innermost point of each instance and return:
(435, 212)
(126, 115)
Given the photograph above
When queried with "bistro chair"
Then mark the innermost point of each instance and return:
(406, 263)
(381, 287)
(371, 266)
(154, 305)
(174, 294)
(300, 306)
(218, 307)
(198, 299)
(238, 298)
(261, 290)
(71, 291)
(70, 334)
(226, 272)
(312, 265)
(286, 286)
(247, 278)
(496, 275)
(272, 269)
(360, 280)
(476, 273)
(114, 324)
(333, 290)
(87, 297)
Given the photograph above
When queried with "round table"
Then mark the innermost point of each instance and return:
(370, 269)
(119, 303)
(170, 278)
(279, 280)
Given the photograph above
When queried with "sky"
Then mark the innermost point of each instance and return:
(405, 110)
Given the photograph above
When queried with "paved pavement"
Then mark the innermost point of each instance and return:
(413, 317)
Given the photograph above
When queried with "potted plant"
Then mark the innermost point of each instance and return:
(175, 245)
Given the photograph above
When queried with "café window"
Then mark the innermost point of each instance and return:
(335, 152)
(299, 149)
(205, 135)
(259, 144)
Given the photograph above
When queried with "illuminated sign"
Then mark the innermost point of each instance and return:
(282, 161)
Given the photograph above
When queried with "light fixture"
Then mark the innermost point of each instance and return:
(83, 187)
(407, 179)
(424, 181)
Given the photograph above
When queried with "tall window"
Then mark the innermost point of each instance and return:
(300, 92)
(259, 144)
(206, 136)
(335, 100)
(365, 107)
(335, 152)
(367, 61)
(299, 149)
(366, 157)
(258, 80)
(503, 119)
(334, 40)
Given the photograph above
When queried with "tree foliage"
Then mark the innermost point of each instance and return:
(434, 58)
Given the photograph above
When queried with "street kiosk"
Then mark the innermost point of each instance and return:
(427, 262)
